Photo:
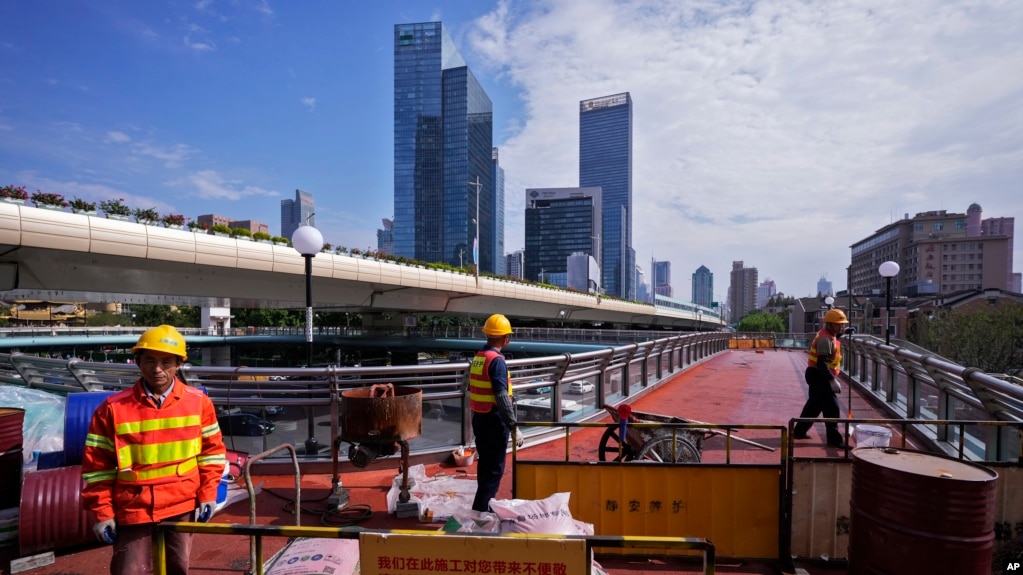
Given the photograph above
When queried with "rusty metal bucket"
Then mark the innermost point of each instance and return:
(381, 414)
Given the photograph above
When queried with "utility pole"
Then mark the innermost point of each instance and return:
(476, 242)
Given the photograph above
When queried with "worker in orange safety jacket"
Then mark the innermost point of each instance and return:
(154, 452)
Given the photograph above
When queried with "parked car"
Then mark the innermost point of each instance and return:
(245, 424)
(580, 387)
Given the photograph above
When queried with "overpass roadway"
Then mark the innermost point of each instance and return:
(60, 256)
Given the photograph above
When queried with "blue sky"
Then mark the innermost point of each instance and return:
(774, 132)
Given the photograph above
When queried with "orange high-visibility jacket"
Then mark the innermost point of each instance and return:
(142, 464)
(835, 364)
(481, 392)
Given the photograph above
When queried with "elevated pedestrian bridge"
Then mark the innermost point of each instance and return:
(56, 255)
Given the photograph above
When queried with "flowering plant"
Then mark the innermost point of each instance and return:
(146, 214)
(13, 192)
(49, 199)
(173, 220)
(194, 225)
(115, 207)
(80, 205)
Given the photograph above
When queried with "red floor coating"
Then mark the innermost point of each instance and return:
(737, 387)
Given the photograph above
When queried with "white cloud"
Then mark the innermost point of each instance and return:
(210, 185)
(118, 137)
(309, 102)
(773, 132)
(173, 156)
(199, 45)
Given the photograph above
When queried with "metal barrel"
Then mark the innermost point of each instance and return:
(10, 478)
(51, 512)
(367, 417)
(77, 417)
(12, 421)
(915, 512)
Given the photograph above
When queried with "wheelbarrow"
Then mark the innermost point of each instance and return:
(658, 444)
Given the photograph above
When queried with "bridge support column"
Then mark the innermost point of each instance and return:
(216, 356)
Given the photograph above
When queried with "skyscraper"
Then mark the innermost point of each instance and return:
(559, 223)
(605, 161)
(824, 287)
(703, 286)
(742, 291)
(443, 144)
(660, 273)
(296, 212)
(500, 263)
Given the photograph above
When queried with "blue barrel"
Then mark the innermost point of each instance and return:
(77, 416)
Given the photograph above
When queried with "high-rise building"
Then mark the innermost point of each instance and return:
(660, 273)
(443, 152)
(765, 291)
(703, 287)
(824, 287)
(742, 293)
(297, 212)
(937, 253)
(605, 161)
(515, 265)
(385, 237)
(559, 223)
(500, 267)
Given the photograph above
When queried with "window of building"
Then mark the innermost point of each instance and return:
(938, 226)
(960, 224)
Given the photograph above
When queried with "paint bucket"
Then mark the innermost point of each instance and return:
(12, 421)
(915, 512)
(872, 435)
(51, 511)
(464, 457)
(77, 416)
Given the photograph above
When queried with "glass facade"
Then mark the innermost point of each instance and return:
(296, 212)
(703, 287)
(559, 223)
(605, 160)
(443, 140)
(500, 262)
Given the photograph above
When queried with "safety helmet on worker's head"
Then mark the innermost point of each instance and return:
(835, 316)
(497, 325)
(162, 338)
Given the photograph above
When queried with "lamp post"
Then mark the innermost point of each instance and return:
(829, 301)
(309, 241)
(888, 270)
(476, 242)
(699, 320)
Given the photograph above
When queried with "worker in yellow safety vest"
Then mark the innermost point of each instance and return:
(154, 452)
(493, 416)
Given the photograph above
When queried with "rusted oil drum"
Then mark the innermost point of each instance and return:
(12, 420)
(915, 512)
(10, 478)
(77, 417)
(368, 418)
(51, 514)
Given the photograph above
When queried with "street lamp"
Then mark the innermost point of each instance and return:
(888, 270)
(699, 320)
(829, 301)
(476, 242)
(309, 241)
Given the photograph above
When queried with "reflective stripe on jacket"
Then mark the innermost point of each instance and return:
(142, 464)
(836, 357)
(481, 392)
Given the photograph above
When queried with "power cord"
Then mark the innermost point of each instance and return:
(349, 515)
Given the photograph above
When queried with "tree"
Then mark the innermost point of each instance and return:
(988, 338)
(761, 322)
(268, 317)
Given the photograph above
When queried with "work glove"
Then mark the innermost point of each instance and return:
(519, 439)
(836, 387)
(106, 531)
(205, 511)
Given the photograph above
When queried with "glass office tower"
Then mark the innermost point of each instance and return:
(560, 222)
(296, 212)
(605, 160)
(500, 262)
(703, 287)
(443, 140)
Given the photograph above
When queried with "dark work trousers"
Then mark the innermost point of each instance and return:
(133, 550)
(491, 449)
(821, 401)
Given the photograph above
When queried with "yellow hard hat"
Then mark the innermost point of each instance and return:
(497, 325)
(835, 316)
(162, 338)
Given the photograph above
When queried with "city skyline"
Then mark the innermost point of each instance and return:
(778, 134)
